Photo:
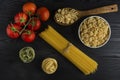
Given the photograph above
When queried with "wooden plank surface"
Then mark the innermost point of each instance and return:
(12, 68)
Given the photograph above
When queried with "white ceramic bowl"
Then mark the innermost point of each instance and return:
(101, 44)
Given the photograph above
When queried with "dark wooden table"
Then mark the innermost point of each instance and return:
(108, 57)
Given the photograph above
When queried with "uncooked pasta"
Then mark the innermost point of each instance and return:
(69, 51)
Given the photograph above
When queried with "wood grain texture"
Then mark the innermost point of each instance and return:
(108, 56)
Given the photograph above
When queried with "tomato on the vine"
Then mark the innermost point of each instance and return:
(29, 8)
(13, 30)
(28, 36)
(34, 24)
(43, 13)
(27, 21)
(21, 18)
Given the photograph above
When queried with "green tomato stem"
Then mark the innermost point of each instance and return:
(14, 29)
(25, 26)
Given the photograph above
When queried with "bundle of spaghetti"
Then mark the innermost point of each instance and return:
(84, 63)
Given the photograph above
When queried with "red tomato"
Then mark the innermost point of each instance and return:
(43, 13)
(29, 8)
(28, 36)
(21, 18)
(13, 30)
(34, 24)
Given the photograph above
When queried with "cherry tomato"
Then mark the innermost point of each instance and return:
(43, 13)
(13, 30)
(29, 8)
(21, 18)
(34, 24)
(28, 36)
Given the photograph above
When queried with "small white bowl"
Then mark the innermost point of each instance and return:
(101, 44)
